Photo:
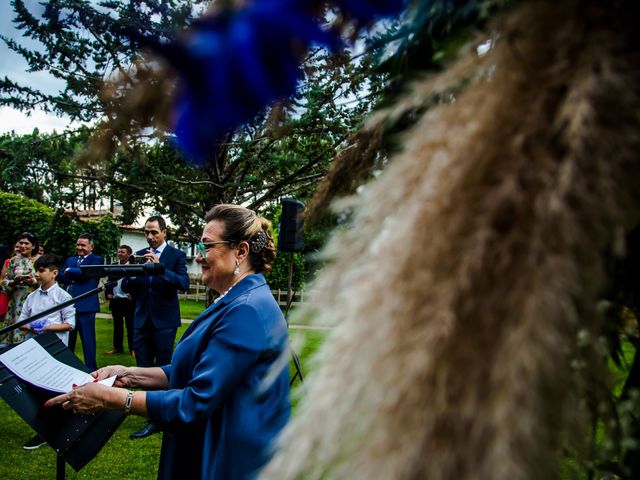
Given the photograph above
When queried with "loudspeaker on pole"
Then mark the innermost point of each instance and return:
(291, 228)
(291, 239)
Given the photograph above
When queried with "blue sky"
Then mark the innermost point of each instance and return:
(14, 67)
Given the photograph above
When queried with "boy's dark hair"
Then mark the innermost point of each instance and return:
(50, 261)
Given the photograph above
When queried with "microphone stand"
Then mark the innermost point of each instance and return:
(60, 463)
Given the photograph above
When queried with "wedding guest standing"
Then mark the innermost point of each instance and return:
(121, 305)
(76, 284)
(19, 282)
(157, 309)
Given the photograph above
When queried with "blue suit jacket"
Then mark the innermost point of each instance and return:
(157, 297)
(224, 405)
(76, 283)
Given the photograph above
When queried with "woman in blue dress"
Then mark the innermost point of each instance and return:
(225, 396)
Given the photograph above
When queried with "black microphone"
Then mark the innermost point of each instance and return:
(119, 271)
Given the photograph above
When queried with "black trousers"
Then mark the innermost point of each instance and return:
(122, 312)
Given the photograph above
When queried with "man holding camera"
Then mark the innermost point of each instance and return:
(157, 310)
(121, 306)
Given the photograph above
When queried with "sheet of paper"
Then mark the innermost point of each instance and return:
(108, 381)
(33, 364)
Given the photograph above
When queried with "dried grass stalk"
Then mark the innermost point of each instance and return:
(475, 260)
(350, 168)
(133, 103)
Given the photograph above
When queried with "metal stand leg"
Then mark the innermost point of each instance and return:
(296, 363)
(60, 468)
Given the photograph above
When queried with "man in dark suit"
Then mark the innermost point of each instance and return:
(157, 311)
(76, 284)
(121, 306)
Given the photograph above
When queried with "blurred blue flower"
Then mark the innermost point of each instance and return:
(231, 66)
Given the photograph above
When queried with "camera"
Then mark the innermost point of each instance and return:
(138, 259)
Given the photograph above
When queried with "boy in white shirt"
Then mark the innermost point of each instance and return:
(48, 295)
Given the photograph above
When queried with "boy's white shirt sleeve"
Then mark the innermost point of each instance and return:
(69, 313)
(26, 308)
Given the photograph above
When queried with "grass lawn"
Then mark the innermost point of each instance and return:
(121, 457)
(189, 309)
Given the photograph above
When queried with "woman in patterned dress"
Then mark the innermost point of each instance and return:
(19, 281)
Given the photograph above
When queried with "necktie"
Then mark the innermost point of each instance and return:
(156, 252)
(79, 261)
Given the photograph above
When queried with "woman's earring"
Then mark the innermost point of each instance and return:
(236, 270)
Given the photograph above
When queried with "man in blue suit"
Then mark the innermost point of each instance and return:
(157, 311)
(76, 284)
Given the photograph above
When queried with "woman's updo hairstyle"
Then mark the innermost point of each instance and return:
(242, 224)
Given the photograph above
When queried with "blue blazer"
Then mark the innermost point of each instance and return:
(228, 395)
(157, 296)
(76, 283)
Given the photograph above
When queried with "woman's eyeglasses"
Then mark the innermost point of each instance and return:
(202, 247)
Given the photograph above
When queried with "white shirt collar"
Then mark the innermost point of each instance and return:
(160, 249)
(48, 290)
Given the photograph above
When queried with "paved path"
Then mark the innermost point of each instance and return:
(187, 321)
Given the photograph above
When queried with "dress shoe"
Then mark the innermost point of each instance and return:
(111, 352)
(148, 429)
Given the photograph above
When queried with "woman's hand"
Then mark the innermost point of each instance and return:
(24, 280)
(124, 375)
(85, 399)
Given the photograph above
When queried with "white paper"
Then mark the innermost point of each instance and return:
(33, 364)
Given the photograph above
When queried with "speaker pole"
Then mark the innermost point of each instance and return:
(289, 288)
(291, 239)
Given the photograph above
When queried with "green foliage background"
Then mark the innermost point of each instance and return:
(56, 230)
(19, 214)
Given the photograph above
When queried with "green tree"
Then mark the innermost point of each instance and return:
(82, 44)
(43, 167)
(282, 152)
(19, 214)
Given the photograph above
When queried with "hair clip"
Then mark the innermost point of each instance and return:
(259, 241)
